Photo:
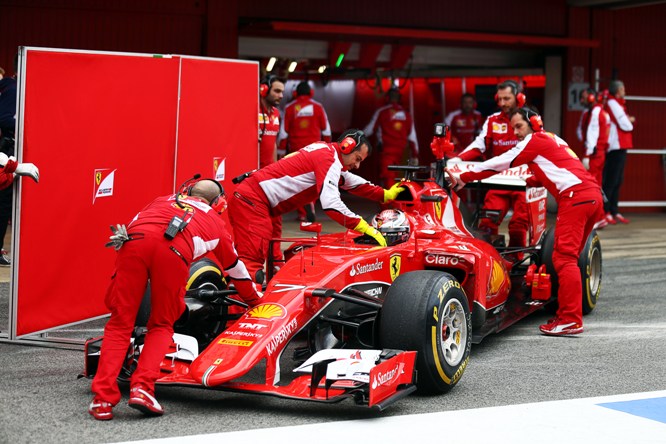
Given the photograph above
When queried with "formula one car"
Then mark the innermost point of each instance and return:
(345, 318)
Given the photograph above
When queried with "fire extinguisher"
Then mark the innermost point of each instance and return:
(539, 282)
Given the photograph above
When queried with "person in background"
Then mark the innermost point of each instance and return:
(497, 137)
(304, 122)
(271, 91)
(579, 201)
(318, 170)
(147, 249)
(394, 130)
(465, 123)
(619, 141)
(7, 125)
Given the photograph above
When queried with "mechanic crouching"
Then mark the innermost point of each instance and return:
(160, 243)
(578, 197)
(317, 171)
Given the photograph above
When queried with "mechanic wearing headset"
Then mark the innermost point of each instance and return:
(270, 92)
(578, 197)
(595, 128)
(318, 170)
(496, 138)
(159, 243)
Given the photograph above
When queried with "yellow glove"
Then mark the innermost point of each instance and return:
(392, 193)
(364, 228)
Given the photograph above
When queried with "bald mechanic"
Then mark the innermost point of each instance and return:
(148, 249)
(317, 171)
(578, 197)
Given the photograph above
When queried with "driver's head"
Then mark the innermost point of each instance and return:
(361, 148)
(212, 192)
(393, 224)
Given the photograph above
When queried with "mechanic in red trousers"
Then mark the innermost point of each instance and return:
(465, 123)
(148, 249)
(496, 138)
(578, 197)
(304, 122)
(394, 129)
(318, 170)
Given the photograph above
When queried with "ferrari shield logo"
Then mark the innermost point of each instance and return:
(103, 186)
(438, 210)
(395, 266)
(98, 177)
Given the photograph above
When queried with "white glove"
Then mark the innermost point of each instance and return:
(455, 182)
(118, 238)
(28, 169)
(3, 159)
(586, 162)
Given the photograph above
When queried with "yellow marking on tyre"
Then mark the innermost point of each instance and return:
(199, 272)
(435, 355)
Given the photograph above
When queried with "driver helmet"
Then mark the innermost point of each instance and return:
(393, 224)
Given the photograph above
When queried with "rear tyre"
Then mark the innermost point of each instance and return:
(589, 263)
(427, 311)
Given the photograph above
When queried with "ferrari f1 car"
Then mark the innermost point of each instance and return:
(344, 318)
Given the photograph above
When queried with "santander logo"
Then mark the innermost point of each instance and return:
(366, 268)
(385, 378)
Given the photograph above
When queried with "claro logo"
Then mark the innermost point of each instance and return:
(385, 378)
(440, 259)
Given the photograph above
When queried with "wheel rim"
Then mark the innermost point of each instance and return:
(595, 271)
(454, 332)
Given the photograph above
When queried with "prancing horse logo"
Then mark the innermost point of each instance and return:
(395, 266)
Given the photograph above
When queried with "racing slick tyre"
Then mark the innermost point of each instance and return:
(427, 311)
(589, 263)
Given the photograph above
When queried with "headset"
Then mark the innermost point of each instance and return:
(351, 141)
(534, 120)
(602, 96)
(218, 204)
(517, 91)
(266, 85)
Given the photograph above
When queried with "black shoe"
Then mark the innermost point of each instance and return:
(5, 261)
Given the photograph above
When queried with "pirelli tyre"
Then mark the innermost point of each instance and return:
(427, 311)
(589, 263)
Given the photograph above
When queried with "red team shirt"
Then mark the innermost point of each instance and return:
(304, 122)
(394, 127)
(595, 130)
(496, 137)
(269, 126)
(464, 127)
(313, 172)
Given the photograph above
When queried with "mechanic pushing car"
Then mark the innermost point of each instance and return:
(317, 171)
(578, 197)
(497, 137)
(160, 243)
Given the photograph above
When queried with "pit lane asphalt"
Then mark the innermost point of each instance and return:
(623, 350)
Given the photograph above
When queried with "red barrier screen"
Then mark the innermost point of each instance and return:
(103, 130)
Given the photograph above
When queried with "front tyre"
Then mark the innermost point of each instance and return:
(427, 311)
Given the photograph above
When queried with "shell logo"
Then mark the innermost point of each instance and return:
(496, 278)
(267, 311)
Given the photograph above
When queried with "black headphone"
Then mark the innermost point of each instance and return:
(266, 85)
(351, 141)
(186, 189)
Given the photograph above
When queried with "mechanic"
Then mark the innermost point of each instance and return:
(9, 168)
(304, 122)
(465, 123)
(318, 170)
(595, 129)
(496, 138)
(619, 141)
(159, 244)
(394, 129)
(579, 200)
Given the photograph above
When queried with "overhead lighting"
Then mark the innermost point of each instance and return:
(271, 64)
(321, 69)
(339, 61)
(292, 66)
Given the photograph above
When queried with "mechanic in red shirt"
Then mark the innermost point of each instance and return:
(394, 129)
(619, 141)
(318, 170)
(595, 128)
(147, 250)
(271, 91)
(304, 122)
(496, 138)
(465, 123)
(578, 197)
